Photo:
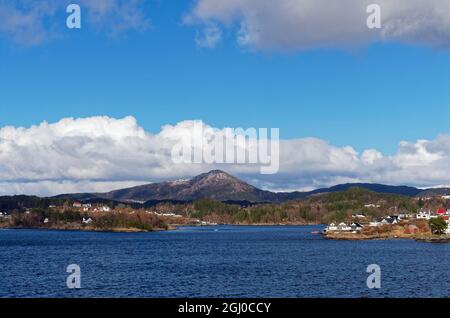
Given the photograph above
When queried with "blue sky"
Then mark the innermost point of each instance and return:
(309, 69)
(368, 97)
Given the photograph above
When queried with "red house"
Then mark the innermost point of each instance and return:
(441, 211)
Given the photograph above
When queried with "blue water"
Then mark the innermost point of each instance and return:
(222, 261)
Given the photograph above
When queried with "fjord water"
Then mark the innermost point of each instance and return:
(220, 261)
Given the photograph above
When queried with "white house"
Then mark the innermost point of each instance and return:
(390, 220)
(105, 208)
(331, 227)
(344, 227)
(341, 227)
(425, 215)
(171, 215)
(356, 227)
(87, 221)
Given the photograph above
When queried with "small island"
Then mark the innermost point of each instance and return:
(70, 219)
(22, 212)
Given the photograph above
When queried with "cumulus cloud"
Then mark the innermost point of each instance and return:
(305, 24)
(98, 154)
(29, 22)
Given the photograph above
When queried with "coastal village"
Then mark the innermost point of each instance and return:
(406, 224)
(360, 223)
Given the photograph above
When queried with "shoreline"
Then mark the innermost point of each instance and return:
(251, 224)
(171, 227)
(88, 229)
(386, 236)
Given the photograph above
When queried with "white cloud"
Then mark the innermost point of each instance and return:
(28, 22)
(116, 16)
(103, 153)
(304, 24)
(25, 25)
(209, 37)
(370, 156)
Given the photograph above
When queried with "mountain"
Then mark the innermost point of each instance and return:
(221, 186)
(375, 187)
(215, 185)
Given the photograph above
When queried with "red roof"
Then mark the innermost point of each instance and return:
(441, 211)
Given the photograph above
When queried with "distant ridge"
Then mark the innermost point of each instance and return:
(379, 188)
(221, 186)
(435, 192)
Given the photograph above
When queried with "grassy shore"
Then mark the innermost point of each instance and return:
(430, 238)
(362, 237)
